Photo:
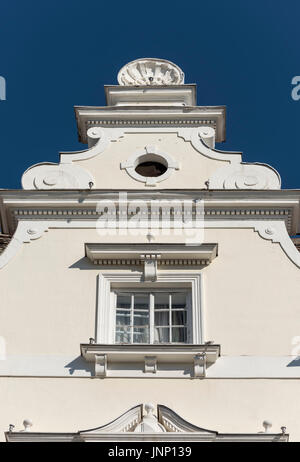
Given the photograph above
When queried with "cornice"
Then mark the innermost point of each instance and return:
(238, 204)
(150, 116)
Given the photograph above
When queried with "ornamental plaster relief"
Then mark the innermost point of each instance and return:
(33, 228)
(56, 176)
(26, 232)
(234, 175)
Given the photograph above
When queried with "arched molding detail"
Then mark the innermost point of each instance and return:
(245, 176)
(201, 139)
(98, 141)
(66, 175)
(237, 175)
(26, 232)
(57, 176)
(127, 422)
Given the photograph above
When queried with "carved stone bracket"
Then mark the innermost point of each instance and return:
(199, 365)
(277, 233)
(150, 266)
(100, 365)
(150, 364)
(26, 232)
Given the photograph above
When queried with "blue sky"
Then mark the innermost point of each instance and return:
(242, 54)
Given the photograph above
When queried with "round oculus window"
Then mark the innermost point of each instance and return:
(151, 169)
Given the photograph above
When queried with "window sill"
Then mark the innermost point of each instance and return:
(144, 360)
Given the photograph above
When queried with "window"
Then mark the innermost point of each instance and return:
(159, 316)
(151, 169)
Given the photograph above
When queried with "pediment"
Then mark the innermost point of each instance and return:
(127, 422)
(160, 425)
(161, 420)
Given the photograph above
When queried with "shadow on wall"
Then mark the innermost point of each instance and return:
(294, 363)
(79, 364)
(82, 264)
(86, 264)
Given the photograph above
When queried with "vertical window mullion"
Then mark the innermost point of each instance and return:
(170, 318)
(151, 317)
(131, 318)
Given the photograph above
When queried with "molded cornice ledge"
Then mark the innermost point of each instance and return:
(186, 356)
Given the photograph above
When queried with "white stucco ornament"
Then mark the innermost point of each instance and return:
(150, 71)
(56, 176)
(149, 423)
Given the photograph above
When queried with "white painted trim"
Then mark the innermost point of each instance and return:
(226, 367)
(105, 318)
(169, 360)
(167, 437)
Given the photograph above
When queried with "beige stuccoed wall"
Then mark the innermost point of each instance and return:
(69, 405)
(250, 298)
(194, 170)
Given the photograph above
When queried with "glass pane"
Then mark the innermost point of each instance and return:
(124, 301)
(179, 334)
(179, 300)
(161, 300)
(141, 318)
(140, 335)
(161, 335)
(123, 334)
(161, 318)
(141, 301)
(123, 318)
(179, 318)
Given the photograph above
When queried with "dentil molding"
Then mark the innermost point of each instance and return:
(270, 229)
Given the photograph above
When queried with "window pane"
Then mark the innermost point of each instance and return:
(123, 334)
(140, 335)
(161, 318)
(161, 300)
(179, 318)
(179, 334)
(141, 301)
(124, 301)
(141, 318)
(123, 317)
(161, 335)
(178, 300)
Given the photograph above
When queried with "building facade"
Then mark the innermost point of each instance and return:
(150, 284)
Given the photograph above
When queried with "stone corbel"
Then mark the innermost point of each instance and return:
(150, 266)
(150, 364)
(26, 232)
(199, 365)
(100, 365)
(276, 232)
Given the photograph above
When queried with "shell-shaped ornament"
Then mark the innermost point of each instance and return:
(150, 71)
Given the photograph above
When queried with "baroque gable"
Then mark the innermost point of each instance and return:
(149, 120)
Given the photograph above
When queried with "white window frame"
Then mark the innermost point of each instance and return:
(151, 291)
(109, 281)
